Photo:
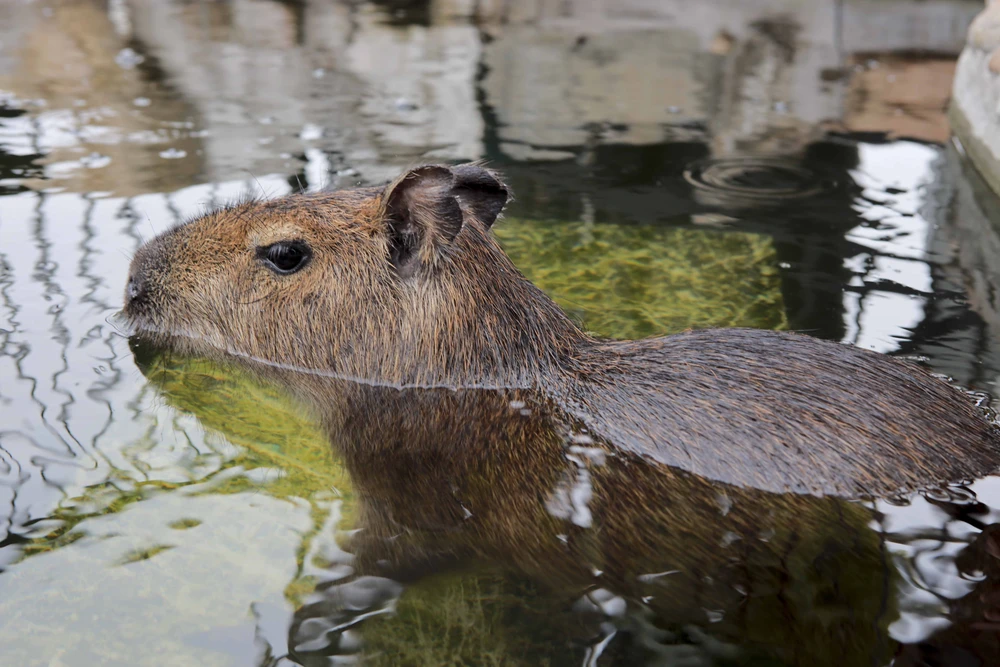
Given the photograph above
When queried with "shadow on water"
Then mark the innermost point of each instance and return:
(675, 165)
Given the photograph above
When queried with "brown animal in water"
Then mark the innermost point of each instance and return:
(549, 519)
(405, 286)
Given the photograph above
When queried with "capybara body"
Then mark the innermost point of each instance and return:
(404, 286)
(502, 487)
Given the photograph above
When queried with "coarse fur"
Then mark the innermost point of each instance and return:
(407, 287)
(448, 481)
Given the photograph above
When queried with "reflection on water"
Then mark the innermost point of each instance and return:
(674, 166)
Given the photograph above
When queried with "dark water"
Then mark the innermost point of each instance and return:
(672, 167)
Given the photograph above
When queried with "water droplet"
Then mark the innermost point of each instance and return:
(603, 601)
(593, 455)
(724, 502)
(650, 578)
(615, 606)
(319, 73)
(142, 102)
(714, 615)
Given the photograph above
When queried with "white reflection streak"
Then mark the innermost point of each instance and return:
(898, 239)
(73, 407)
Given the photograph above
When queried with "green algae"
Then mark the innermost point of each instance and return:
(636, 281)
(473, 618)
(271, 431)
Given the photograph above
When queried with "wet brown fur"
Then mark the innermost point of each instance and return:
(773, 411)
(504, 481)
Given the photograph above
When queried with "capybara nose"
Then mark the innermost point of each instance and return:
(135, 289)
(131, 291)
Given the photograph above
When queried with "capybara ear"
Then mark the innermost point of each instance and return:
(426, 208)
(480, 191)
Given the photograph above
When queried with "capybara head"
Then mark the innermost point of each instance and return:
(402, 284)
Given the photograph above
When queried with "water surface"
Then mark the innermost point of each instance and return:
(690, 170)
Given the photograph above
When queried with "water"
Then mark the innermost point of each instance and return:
(672, 170)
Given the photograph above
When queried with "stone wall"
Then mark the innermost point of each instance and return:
(976, 94)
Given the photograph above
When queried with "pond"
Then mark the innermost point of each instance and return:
(673, 167)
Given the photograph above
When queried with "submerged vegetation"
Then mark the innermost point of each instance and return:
(636, 281)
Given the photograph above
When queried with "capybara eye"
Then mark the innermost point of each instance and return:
(285, 257)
